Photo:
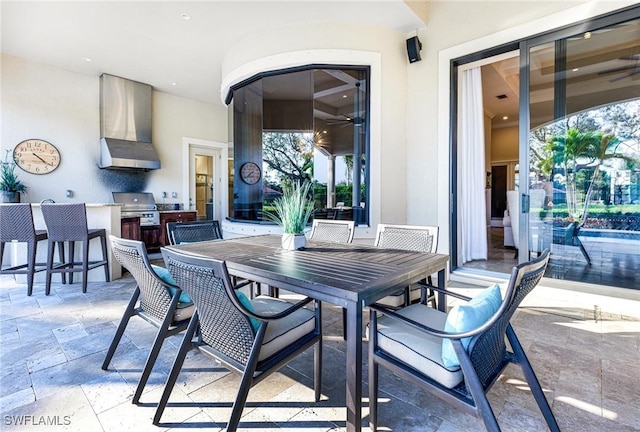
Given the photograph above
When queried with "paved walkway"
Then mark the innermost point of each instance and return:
(585, 349)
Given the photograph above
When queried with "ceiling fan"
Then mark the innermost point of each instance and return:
(345, 120)
(628, 70)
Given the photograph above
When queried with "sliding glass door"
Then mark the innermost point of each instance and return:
(580, 148)
(571, 145)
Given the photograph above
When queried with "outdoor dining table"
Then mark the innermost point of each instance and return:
(348, 275)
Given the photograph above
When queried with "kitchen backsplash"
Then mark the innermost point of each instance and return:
(167, 207)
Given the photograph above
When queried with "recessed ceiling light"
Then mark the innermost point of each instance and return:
(174, 83)
(185, 16)
(505, 117)
(344, 96)
(575, 69)
(87, 59)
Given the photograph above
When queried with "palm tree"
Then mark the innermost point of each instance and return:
(605, 149)
(567, 149)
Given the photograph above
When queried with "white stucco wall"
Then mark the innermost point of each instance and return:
(42, 101)
(331, 43)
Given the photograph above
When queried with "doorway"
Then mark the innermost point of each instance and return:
(498, 185)
(205, 178)
(203, 169)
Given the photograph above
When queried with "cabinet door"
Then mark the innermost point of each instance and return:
(186, 216)
(130, 228)
(150, 235)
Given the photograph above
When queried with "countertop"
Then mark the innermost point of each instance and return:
(86, 204)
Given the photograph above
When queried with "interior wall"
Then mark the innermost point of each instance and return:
(505, 144)
(62, 107)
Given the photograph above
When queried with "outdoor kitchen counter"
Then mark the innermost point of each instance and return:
(99, 215)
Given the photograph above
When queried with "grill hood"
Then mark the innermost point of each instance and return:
(125, 125)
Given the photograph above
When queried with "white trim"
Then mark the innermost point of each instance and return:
(223, 148)
(337, 57)
(541, 25)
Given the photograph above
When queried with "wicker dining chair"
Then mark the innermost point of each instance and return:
(253, 338)
(16, 224)
(196, 231)
(457, 356)
(338, 231)
(415, 238)
(68, 223)
(156, 300)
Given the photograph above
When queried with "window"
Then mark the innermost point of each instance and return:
(303, 124)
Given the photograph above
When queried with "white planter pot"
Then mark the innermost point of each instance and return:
(293, 241)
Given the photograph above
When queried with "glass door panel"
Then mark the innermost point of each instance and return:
(584, 155)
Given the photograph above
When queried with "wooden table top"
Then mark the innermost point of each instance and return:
(334, 272)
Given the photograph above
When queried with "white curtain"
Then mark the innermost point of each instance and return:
(472, 224)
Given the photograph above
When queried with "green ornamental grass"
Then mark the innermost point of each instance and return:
(293, 209)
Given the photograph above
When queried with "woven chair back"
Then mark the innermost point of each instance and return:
(487, 350)
(16, 223)
(154, 296)
(66, 222)
(332, 231)
(407, 237)
(191, 232)
(222, 326)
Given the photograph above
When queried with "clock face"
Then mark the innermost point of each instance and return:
(250, 173)
(36, 156)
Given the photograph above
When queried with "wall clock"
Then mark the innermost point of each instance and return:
(250, 173)
(36, 156)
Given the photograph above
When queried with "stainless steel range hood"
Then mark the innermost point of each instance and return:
(125, 125)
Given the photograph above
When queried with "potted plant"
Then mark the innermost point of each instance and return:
(292, 211)
(10, 185)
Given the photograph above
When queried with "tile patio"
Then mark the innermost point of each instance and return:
(585, 349)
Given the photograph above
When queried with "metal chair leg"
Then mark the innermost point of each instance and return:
(155, 349)
(72, 255)
(85, 265)
(185, 347)
(532, 380)
(128, 313)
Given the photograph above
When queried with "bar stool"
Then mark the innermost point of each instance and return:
(16, 223)
(68, 223)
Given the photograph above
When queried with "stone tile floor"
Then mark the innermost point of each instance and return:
(585, 349)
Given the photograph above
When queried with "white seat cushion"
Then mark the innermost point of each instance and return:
(283, 332)
(415, 348)
(396, 299)
(184, 311)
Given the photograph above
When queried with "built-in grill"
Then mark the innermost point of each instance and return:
(138, 204)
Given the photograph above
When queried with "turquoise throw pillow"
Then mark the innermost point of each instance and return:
(465, 317)
(164, 274)
(244, 300)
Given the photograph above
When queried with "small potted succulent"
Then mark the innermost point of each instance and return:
(292, 211)
(10, 185)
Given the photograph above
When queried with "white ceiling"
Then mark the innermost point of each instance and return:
(150, 42)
